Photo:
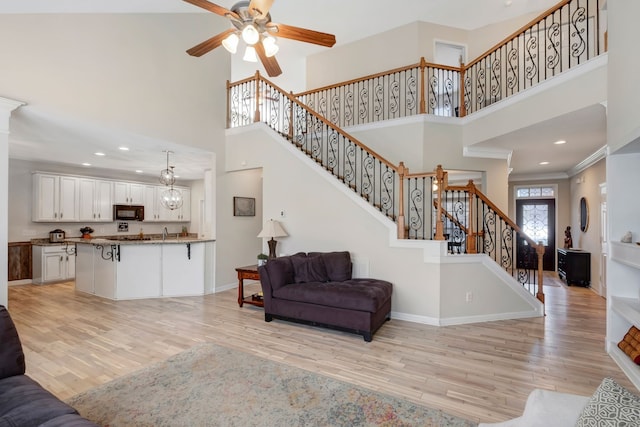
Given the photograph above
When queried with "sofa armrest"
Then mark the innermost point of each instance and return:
(546, 408)
(11, 355)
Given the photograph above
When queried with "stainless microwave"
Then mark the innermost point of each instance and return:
(128, 212)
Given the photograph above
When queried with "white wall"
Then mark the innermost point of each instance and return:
(324, 215)
(127, 71)
(623, 88)
(237, 244)
(587, 184)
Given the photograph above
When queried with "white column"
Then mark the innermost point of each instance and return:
(6, 107)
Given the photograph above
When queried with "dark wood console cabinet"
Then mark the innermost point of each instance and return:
(574, 266)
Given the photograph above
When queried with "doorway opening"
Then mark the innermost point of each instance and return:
(536, 217)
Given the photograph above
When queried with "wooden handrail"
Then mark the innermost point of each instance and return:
(319, 116)
(519, 31)
(471, 187)
(422, 64)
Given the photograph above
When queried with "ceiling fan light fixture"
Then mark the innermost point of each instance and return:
(270, 46)
(231, 43)
(250, 35)
(250, 54)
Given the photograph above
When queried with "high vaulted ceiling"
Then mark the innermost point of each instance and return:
(349, 20)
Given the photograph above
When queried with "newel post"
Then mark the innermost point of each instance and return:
(402, 172)
(228, 104)
(256, 116)
(440, 174)
(540, 252)
(471, 235)
(463, 107)
(291, 98)
(423, 102)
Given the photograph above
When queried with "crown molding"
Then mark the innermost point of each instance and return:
(589, 161)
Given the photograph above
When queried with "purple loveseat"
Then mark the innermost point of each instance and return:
(23, 402)
(317, 289)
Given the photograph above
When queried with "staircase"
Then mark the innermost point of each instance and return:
(423, 205)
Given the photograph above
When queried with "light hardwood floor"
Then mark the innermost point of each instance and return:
(483, 372)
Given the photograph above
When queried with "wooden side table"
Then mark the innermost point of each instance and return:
(248, 272)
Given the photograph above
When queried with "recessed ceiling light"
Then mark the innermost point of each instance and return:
(98, 153)
(560, 142)
(544, 163)
(139, 171)
(124, 148)
(86, 164)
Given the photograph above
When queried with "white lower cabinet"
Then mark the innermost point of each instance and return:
(132, 271)
(181, 272)
(53, 263)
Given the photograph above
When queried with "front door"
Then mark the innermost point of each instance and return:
(536, 217)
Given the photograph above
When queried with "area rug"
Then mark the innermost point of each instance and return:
(210, 385)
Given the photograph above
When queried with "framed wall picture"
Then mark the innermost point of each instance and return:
(244, 206)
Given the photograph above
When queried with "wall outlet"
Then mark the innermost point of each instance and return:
(283, 214)
(469, 296)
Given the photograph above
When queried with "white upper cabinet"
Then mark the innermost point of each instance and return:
(96, 200)
(154, 211)
(128, 193)
(55, 198)
(61, 198)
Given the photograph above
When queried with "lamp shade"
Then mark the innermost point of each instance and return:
(250, 54)
(231, 42)
(272, 229)
(250, 35)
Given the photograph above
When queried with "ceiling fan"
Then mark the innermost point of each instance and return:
(252, 23)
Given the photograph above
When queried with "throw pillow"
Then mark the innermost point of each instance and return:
(338, 264)
(610, 405)
(11, 355)
(309, 269)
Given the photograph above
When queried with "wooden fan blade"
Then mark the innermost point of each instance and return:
(209, 45)
(270, 63)
(260, 7)
(212, 7)
(302, 34)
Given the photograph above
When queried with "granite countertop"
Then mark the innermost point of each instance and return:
(135, 240)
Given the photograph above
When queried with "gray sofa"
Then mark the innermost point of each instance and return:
(317, 289)
(23, 402)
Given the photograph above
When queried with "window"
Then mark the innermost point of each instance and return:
(535, 192)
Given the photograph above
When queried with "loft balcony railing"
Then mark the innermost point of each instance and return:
(422, 205)
(566, 35)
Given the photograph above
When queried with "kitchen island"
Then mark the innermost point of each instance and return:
(132, 268)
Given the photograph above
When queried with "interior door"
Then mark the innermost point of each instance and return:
(536, 217)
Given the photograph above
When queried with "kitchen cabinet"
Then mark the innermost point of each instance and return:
(145, 269)
(53, 263)
(182, 273)
(574, 266)
(55, 198)
(128, 193)
(95, 203)
(154, 211)
(20, 260)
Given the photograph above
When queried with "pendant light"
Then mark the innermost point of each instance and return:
(166, 175)
(170, 198)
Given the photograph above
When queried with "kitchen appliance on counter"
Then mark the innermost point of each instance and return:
(128, 212)
(56, 236)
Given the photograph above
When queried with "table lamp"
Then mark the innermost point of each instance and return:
(272, 229)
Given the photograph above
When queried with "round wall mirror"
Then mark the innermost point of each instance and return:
(584, 214)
